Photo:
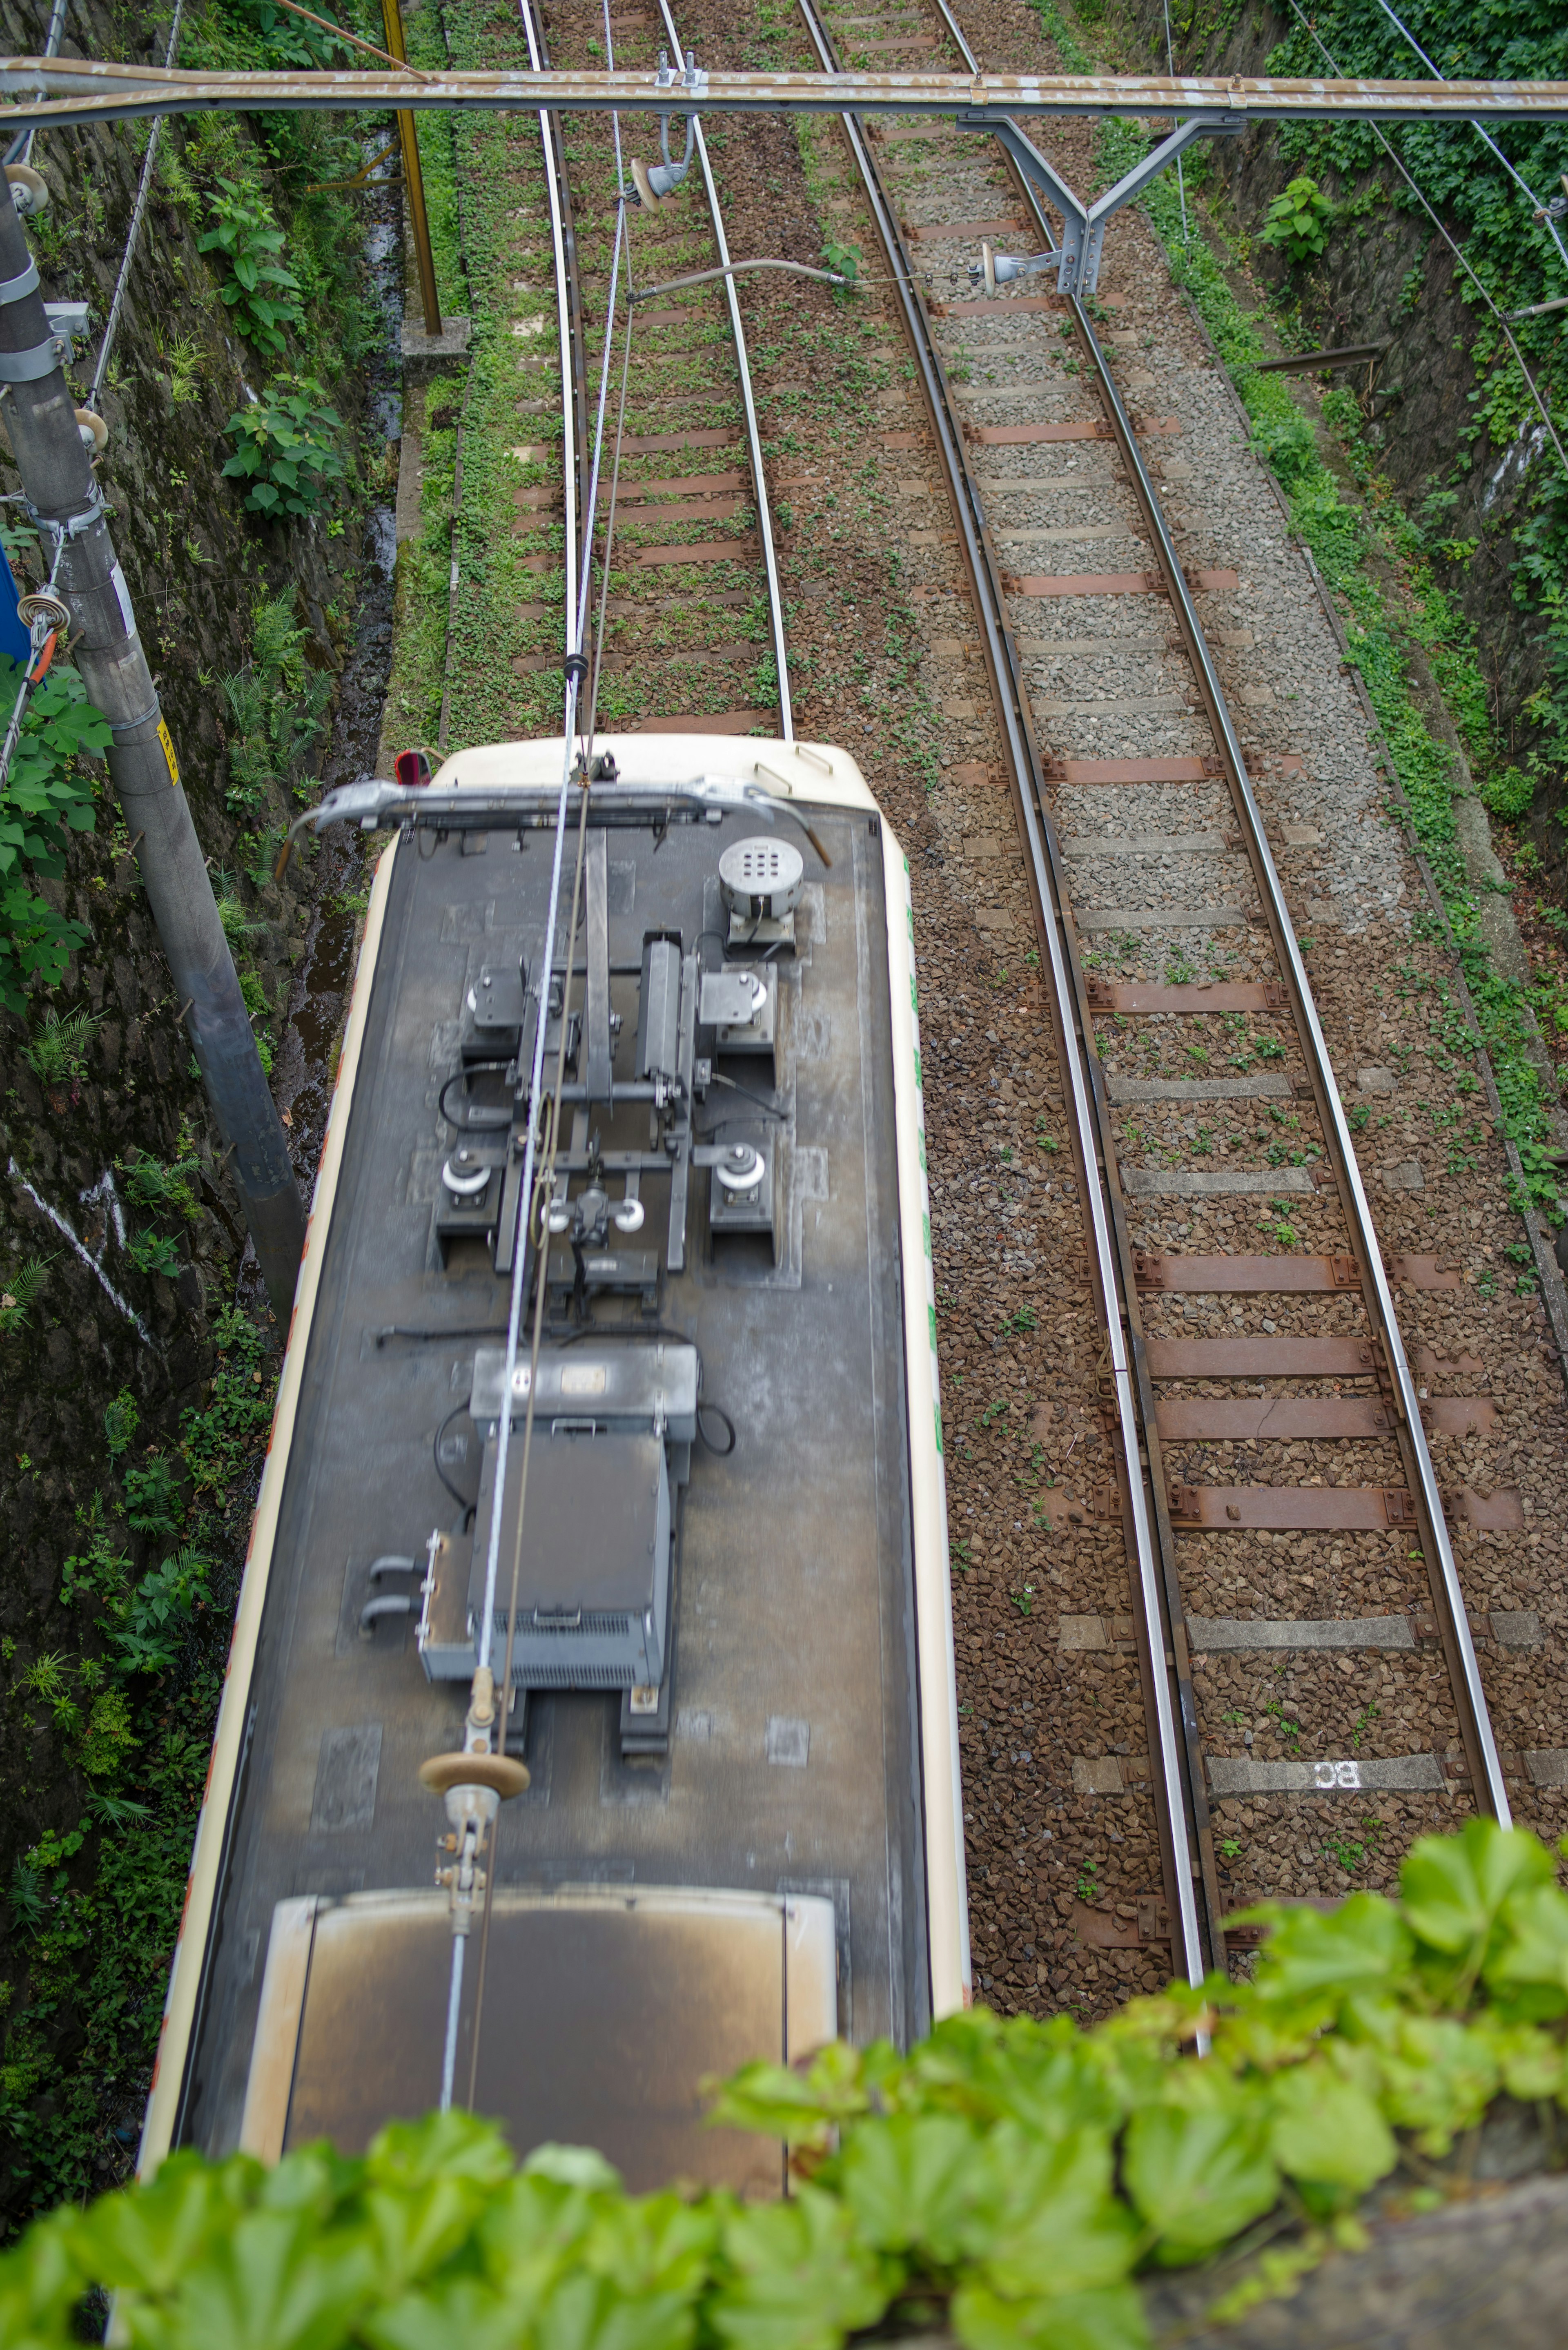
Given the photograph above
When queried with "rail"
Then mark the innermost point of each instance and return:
(754, 431)
(1180, 1777)
(1169, 1706)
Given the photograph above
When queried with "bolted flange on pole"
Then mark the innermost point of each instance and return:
(65, 500)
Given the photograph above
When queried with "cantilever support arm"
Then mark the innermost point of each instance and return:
(1084, 225)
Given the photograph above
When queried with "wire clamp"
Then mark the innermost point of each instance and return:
(576, 667)
(72, 527)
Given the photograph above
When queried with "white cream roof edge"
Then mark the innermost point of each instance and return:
(820, 774)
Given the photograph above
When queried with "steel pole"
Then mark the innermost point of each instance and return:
(413, 178)
(64, 498)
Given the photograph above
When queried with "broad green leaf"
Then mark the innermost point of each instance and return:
(1111, 2319)
(587, 2313)
(460, 2314)
(1531, 2063)
(148, 2238)
(1199, 2176)
(1362, 1945)
(276, 2282)
(1439, 2077)
(1328, 2132)
(1532, 1945)
(1452, 1888)
(454, 2145)
(802, 2108)
(1047, 2221)
(910, 2181)
(573, 2166)
(801, 2278)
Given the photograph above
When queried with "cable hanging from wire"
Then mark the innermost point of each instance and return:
(1500, 316)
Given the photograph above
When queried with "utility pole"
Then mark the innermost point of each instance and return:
(66, 502)
(413, 178)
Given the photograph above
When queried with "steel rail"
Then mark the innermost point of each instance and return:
(1475, 1725)
(55, 90)
(754, 431)
(1083, 1087)
(1192, 1795)
(569, 318)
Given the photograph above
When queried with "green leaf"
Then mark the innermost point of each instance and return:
(1533, 1946)
(1047, 2221)
(458, 2314)
(148, 2238)
(1362, 1946)
(1439, 2077)
(1198, 2176)
(1328, 2132)
(276, 2282)
(801, 2279)
(1111, 2319)
(910, 2182)
(1453, 1888)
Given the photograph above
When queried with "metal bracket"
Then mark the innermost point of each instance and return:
(1084, 225)
(13, 289)
(73, 526)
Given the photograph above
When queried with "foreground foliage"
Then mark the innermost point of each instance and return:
(1013, 2176)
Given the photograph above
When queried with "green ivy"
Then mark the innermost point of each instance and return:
(1013, 2178)
(1299, 221)
(1509, 250)
(46, 796)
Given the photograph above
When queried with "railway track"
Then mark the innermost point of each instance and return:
(698, 645)
(1308, 1433)
(1242, 1554)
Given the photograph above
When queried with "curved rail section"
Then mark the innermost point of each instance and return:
(1156, 1510)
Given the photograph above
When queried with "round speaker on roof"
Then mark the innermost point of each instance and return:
(761, 879)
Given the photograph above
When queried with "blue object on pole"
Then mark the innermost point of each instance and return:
(15, 642)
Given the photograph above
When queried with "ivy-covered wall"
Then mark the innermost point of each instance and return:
(1454, 426)
(134, 1393)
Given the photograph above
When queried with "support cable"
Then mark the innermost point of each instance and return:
(1500, 316)
(133, 233)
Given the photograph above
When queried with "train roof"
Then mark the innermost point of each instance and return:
(740, 1869)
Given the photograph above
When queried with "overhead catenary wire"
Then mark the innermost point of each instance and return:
(1500, 316)
(522, 1258)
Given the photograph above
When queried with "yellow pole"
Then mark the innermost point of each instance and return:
(392, 17)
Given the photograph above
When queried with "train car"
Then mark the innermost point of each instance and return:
(723, 1587)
